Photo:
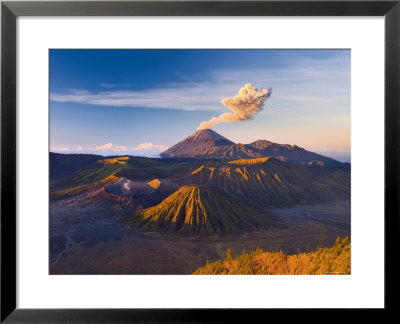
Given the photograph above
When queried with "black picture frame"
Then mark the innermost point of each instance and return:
(10, 10)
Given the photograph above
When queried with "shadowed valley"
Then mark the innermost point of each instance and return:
(169, 215)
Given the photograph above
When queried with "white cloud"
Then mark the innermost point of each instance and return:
(148, 149)
(182, 97)
(144, 149)
(110, 147)
(103, 147)
(304, 84)
(146, 146)
(57, 149)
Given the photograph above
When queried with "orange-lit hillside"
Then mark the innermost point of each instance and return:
(270, 182)
(333, 260)
(118, 160)
(201, 210)
(250, 161)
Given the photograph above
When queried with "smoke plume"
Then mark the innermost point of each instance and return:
(245, 105)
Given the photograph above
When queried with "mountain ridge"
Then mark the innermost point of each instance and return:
(270, 182)
(208, 144)
(200, 210)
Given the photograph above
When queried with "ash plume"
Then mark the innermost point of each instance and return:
(248, 102)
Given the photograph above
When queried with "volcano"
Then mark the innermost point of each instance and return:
(208, 144)
(201, 210)
(204, 143)
(270, 182)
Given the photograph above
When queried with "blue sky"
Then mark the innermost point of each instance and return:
(140, 102)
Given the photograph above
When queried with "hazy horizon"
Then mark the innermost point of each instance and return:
(339, 156)
(140, 102)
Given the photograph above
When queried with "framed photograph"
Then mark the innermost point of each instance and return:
(162, 159)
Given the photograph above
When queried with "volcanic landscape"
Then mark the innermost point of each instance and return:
(204, 195)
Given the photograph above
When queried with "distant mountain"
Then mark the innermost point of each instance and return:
(207, 144)
(64, 164)
(201, 210)
(146, 182)
(292, 153)
(203, 143)
(268, 181)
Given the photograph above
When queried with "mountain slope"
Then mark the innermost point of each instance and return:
(207, 144)
(202, 143)
(101, 181)
(270, 182)
(64, 164)
(91, 174)
(332, 260)
(292, 153)
(200, 210)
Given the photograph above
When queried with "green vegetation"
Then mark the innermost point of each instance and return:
(333, 260)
